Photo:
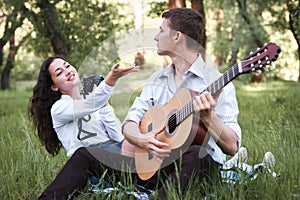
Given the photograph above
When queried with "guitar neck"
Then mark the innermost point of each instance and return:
(213, 88)
(223, 80)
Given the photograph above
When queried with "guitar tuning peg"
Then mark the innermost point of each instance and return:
(265, 69)
(273, 66)
(258, 72)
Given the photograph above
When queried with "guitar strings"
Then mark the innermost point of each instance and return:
(177, 117)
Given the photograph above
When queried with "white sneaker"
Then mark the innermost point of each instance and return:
(269, 160)
(243, 155)
(240, 157)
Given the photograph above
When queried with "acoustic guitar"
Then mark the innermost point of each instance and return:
(175, 120)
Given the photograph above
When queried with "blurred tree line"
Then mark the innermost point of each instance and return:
(47, 27)
(73, 28)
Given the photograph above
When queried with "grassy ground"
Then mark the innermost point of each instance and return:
(269, 117)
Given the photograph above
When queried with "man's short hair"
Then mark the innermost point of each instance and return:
(187, 21)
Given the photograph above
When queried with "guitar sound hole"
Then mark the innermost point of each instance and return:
(172, 123)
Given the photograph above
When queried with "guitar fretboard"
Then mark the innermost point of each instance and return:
(213, 88)
(223, 80)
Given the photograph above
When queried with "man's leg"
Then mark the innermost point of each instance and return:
(189, 166)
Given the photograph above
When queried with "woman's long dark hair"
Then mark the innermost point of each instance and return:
(40, 105)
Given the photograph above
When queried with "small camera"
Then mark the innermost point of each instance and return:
(89, 82)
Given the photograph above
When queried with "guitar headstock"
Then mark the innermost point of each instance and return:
(261, 57)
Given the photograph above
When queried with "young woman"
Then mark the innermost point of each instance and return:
(63, 118)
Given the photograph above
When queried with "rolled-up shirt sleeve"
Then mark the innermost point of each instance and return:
(228, 111)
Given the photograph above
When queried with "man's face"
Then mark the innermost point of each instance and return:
(165, 38)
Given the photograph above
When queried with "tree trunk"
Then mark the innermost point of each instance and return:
(13, 21)
(256, 77)
(176, 4)
(2, 43)
(139, 58)
(294, 14)
(58, 41)
(9, 63)
(5, 75)
(219, 56)
(11, 24)
(244, 14)
(199, 6)
(13, 49)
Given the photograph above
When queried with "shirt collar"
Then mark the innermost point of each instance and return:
(167, 71)
(65, 97)
(196, 68)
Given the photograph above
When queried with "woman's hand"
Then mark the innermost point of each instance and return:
(117, 72)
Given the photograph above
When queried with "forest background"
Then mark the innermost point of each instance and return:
(99, 33)
(31, 30)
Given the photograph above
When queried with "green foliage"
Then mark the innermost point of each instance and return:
(295, 16)
(228, 32)
(85, 24)
(26, 67)
(269, 117)
(156, 8)
(232, 31)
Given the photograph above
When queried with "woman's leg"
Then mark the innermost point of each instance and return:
(84, 163)
(73, 176)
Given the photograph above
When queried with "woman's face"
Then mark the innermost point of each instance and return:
(64, 76)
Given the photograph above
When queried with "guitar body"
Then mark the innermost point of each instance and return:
(190, 131)
(155, 119)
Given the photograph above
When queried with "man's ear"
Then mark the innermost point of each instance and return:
(54, 88)
(178, 36)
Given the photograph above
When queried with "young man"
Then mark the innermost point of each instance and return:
(180, 34)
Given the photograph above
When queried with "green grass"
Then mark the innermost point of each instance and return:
(269, 118)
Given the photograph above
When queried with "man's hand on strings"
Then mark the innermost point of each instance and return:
(158, 149)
